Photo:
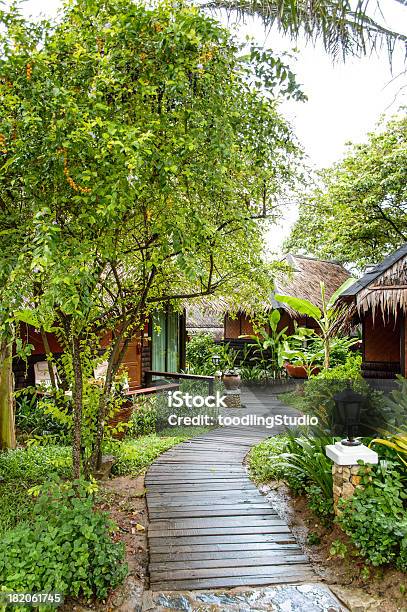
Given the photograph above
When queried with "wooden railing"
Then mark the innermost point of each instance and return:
(178, 376)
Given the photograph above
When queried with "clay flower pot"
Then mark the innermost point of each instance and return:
(298, 371)
(231, 381)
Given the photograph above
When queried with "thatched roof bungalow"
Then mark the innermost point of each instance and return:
(302, 280)
(380, 299)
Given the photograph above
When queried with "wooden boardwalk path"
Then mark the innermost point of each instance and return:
(209, 525)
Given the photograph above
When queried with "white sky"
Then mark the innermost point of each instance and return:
(345, 101)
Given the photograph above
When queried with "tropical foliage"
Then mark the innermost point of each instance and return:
(342, 27)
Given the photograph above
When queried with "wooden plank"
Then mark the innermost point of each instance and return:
(231, 572)
(219, 555)
(200, 512)
(241, 561)
(222, 521)
(228, 582)
(278, 527)
(235, 538)
(213, 547)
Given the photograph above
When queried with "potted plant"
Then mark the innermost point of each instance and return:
(231, 379)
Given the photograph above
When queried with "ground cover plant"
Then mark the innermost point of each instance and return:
(66, 547)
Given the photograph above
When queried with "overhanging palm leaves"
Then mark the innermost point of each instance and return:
(343, 29)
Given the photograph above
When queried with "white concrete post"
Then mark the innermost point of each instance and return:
(345, 468)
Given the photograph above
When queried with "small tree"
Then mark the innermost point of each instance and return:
(142, 148)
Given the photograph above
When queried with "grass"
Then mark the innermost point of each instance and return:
(35, 464)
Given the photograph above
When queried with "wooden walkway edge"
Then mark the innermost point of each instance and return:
(209, 525)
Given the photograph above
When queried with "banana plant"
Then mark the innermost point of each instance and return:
(329, 318)
(269, 345)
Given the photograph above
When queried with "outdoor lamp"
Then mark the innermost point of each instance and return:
(348, 405)
(215, 360)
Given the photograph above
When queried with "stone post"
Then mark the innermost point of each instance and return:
(233, 398)
(345, 468)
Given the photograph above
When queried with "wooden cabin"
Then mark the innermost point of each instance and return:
(380, 300)
(160, 347)
(303, 281)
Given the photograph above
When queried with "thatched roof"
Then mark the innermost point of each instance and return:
(307, 274)
(383, 287)
(302, 280)
(199, 317)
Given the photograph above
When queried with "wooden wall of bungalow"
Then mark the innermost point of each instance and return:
(241, 324)
(140, 355)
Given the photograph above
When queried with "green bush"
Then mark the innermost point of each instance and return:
(306, 457)
(300, 461)
(375, 518)
(143, 420)
(35, 463)
(66, 547)
(33, 416)
(200, 350)
(320, 504)
(199, 353)
(267, 462)
(316, 398)
(15, 503)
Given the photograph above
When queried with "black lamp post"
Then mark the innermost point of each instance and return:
(215, 360)
(348, 405)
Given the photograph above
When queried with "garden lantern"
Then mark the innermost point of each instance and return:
(215, 360)
(348, 406)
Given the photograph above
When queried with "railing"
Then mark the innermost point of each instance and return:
(179, 376)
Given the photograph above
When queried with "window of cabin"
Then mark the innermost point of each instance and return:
(165, 341)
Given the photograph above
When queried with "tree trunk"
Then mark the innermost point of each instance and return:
(7, 417)
(77, 407)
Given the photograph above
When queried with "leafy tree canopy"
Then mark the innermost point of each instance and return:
(141, 153)
(358, 213)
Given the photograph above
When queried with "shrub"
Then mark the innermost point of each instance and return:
(67, 547)
(34, 464)
(320, 504)
(301, 463)
(15, 503)
(318, 394)
(375, 517)
(33, 416)
(199, 353)
(200, 350)
(143, 420)
(307, 458)
(266, 462)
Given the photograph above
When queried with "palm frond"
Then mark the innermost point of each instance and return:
(343, 29)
